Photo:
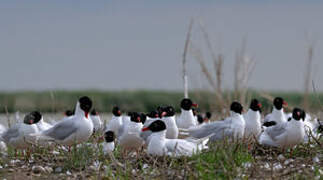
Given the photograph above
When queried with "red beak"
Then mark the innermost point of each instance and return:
(31, 121)
(285, 103)
(259, 105)
(164, 114)
(138, 119)
(119, 112)
(145, 129)
(86, 114)
(195, 105)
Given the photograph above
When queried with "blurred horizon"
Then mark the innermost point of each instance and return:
(113, 45)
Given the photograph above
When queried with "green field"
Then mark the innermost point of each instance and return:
(138, 100)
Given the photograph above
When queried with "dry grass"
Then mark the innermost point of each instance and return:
(223, 160)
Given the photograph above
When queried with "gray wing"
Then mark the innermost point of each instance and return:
(275, 131)
(120, 130)
(207, 129)
(61, 130)
(12, 132)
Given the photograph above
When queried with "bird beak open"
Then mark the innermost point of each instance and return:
(145, 129)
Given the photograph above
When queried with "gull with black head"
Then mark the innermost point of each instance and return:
(159, 145)
(74, 130)
(232, 127)
(186, 118)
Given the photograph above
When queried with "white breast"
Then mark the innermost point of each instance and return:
(186, 119)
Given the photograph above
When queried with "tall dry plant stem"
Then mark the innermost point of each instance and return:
(184, 61)
(217, 62)
(8, 116)
(308, 74)
(243, 69)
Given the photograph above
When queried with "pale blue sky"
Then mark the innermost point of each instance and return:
(139, 44)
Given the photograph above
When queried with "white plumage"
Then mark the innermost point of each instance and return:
(159, 145)
(253, 123)
(286, 134)
(73, 130)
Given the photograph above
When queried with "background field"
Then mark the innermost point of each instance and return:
(139, 100)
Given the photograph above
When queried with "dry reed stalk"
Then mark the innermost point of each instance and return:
(213, 83)
(244, 67)
(187, 42)
(307, 75)
(8, 116)
(217, 62)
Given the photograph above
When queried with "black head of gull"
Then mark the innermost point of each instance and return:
(269, 123)
(298, 114)
(69, 113)
(85, 104)
(94, 112)
(160, 109)
(156, 126)
(143, 118)
(255, 105)
(279, 103)
(109, 136)
(200, 119)
(135, 117)
(236, 107)
(153, 114)
(33, 117)
(187, 104)
(208, 115)
(116, 111)
(170, 111)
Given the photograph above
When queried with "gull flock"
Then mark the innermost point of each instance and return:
(161, 132)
